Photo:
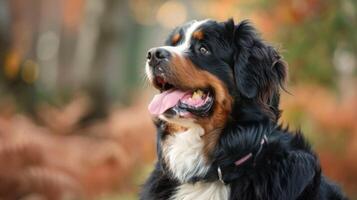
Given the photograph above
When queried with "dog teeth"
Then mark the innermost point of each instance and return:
(197, 94)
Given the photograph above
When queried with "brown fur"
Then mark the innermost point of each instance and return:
(186, 76)
(198, 35)
(174, 128)
(176, 38)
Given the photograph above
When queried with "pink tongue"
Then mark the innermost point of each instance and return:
(164, 101)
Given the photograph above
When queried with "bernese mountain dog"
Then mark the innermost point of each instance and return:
(218, 136)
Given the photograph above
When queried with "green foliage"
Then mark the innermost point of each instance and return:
(311, 42)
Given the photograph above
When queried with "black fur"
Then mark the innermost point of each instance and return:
(283, 168)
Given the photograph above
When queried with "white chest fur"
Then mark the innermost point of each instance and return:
(202, 191)
(183, 154)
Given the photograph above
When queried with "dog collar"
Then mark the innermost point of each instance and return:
(244, 158)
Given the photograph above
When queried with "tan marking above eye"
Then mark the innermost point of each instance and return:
(198, 35)
(176, 38)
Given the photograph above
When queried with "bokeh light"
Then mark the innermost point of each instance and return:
(47, 45)
(30, 71)
(12, 65)
(171, 14)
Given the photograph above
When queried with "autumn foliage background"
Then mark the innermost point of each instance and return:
(73, 97)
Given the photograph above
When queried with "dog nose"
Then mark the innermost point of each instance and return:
(155, 55)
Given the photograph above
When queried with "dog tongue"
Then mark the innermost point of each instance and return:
(164, 101)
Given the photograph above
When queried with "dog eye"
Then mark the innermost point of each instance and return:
(204, 51)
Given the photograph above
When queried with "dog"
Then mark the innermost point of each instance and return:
(218, 136)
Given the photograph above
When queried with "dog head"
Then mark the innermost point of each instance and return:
(211, 72)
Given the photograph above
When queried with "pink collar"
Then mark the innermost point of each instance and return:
(249, 155)
(244, 158)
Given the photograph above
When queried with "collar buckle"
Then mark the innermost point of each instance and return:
(220, 176)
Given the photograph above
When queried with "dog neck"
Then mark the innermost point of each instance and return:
(183, 154)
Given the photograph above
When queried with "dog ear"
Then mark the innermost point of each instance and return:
(258, 68)
(229, 25)
(244, 36)
(280, 67)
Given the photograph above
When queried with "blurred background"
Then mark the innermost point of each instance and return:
(73, 97)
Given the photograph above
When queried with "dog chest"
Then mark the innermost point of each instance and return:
(183, 154)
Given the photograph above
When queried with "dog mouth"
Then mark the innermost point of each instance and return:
(173, 101)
